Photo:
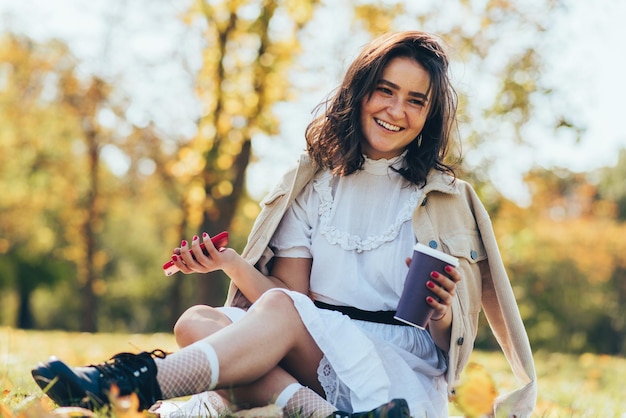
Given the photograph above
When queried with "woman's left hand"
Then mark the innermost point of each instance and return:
(444, 288)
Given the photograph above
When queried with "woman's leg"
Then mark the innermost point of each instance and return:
(270, 333)
(277, 385)
(197, 323)
(200, 321)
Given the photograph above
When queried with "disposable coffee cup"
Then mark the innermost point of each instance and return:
(413, 308)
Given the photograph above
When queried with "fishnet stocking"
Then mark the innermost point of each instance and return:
(305, 403)
(184, 373)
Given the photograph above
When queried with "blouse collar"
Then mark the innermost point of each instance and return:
(381, 166)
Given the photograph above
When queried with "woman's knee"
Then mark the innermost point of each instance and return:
(278, 307)
(198, 322)
(278, 301)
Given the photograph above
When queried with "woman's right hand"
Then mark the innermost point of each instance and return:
(200, 262)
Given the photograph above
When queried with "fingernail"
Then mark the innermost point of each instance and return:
(174, 257)
(183, 243)
(430, 284)
(429, 299)
(448, 269)
(205, 235)
(434, 274)
(195, 238)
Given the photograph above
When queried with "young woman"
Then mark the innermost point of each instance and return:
(309, 318)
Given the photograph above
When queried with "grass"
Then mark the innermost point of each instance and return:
(572, 386)
(569, 386)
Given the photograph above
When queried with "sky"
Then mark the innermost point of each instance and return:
(586, 62)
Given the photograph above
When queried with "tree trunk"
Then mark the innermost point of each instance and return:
(89, 299)
(212, 287)
(25, 319)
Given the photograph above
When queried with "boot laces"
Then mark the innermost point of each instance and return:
(133, 373)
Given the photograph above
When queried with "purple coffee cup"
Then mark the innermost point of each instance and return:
(412, 307)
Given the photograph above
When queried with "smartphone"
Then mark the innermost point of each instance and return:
(219, 240)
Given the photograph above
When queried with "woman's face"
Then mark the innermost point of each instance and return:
(395, 113)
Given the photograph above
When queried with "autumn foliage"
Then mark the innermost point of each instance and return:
(92, 203)
(564, 253)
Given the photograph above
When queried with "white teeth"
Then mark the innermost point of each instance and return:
(388, 125)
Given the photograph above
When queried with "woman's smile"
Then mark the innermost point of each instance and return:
(388, 126)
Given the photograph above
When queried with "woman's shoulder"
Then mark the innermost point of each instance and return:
(447, 182)
(452, 187)
(444, 182)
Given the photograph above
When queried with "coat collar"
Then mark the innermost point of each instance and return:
(441, 182)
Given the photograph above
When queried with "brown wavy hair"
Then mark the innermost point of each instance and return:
(334, 138)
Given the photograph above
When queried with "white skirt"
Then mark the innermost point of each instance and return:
(367, 364)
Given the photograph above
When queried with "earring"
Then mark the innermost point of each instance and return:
(419, 140)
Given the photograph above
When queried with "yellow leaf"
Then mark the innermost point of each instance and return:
(124, 406)
(476, 392)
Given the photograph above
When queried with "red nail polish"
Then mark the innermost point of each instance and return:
(434, 274)
(174, 257)
(430, 284)
(205, 235)
(183, 243)
(448, 269)
(429, 299)
(195, 238)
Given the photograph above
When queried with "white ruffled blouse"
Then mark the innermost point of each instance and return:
(357, 229)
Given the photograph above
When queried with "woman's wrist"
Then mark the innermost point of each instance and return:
(441, 317)
(441, 329)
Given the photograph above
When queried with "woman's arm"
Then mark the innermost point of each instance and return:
(440, 324)
(289, 273)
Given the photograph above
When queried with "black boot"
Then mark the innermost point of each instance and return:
(88, 387)
(396, 408)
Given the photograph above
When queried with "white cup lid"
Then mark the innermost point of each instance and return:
(453, 261)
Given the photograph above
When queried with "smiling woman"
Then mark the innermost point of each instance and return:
(310, 312)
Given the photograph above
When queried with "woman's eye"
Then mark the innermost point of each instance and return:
(384, 90)
(417, 102)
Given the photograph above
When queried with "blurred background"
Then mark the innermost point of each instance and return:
(126, 126)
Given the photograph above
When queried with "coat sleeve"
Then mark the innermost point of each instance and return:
(502, 313)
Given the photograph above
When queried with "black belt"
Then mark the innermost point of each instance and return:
(380, 317)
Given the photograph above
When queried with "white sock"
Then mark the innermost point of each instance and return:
(287, 394)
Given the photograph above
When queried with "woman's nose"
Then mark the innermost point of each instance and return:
(396, 108)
